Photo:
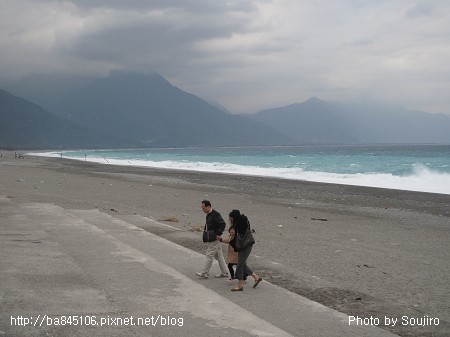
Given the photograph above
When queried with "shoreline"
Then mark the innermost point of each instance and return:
(437, 182)
(363, 251)
(433, 203)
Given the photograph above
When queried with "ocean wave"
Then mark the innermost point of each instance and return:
(420, 179)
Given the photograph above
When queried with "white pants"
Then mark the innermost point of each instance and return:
(214, 250)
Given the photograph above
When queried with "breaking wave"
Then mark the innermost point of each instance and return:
(421, 178)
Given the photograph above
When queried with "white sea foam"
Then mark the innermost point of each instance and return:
(422, 179)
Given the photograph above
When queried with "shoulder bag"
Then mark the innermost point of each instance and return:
(244, 240)
(209, 236)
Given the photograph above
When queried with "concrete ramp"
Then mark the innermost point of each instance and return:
(86, 273)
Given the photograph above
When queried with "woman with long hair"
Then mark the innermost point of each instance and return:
(241, 225)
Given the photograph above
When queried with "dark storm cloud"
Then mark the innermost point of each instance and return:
(246, 55)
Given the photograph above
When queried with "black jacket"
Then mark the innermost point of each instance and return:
(214, 221)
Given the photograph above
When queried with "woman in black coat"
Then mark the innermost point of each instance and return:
(241, 226)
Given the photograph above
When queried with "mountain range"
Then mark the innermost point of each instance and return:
(148, 109)
(25, 125)
(318, 122)
(144, 110)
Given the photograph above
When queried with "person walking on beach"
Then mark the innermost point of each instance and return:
(214, 222)
(241, 225)
(232, 255)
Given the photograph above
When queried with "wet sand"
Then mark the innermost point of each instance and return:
(363, 251)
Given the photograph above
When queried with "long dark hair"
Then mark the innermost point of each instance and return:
(240, 221)
(235, 214)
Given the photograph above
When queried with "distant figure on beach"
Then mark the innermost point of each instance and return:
(242, 225)
(214, 222)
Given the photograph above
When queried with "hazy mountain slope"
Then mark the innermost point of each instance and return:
(47, 90)
(152, 112)
(378, 123)
(311, 122)
(148, 109)
(25, 125)
(315, 121)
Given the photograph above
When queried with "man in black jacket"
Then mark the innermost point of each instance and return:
(214, 221)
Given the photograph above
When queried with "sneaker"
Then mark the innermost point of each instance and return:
(202, 275)
(230, 281)
(221, 275)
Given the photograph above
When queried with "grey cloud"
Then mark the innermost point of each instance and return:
(167, 41)
(420, 9)
(246, 55)
(362, 42)
(192, 6)
(141, 32)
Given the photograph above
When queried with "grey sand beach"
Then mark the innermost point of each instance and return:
(364, 252)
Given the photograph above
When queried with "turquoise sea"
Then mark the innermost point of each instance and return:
(423, 168)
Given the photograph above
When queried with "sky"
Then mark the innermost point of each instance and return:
(244, 55)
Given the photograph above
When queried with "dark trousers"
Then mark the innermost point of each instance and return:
(231, 269)
(242, 269)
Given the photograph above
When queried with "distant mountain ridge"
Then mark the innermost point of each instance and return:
(144, 110)
(311, 122)
(25, 125)
(150, 110)
(318, 122)
(129, 110)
